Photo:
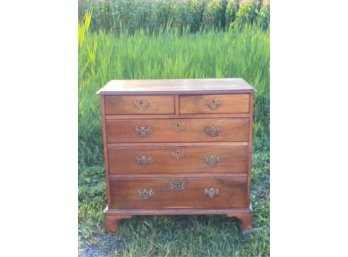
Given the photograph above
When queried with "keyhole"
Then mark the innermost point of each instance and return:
(141, 102)
(213, 101)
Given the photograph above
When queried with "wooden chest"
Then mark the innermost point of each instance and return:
(177, 147)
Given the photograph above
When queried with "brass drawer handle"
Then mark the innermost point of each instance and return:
(145, 194)
(212, 130)
(211, 193)
(177, 186)
(141, 105)
(177, 126)
(212, 160)
(213, 104)
(143, 161)
(142, 131)
(177, 154)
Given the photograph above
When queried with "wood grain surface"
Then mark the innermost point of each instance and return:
(126, 105)
(156, 140)
(175, 86)
(168, 160)
(235, 129)
(199, 104)
(124, 193)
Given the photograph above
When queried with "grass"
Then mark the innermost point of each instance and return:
(166, 55)
(111, 15)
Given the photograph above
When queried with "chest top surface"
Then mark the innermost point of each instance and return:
(177, 86)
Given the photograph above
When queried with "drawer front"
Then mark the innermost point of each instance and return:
(168, 160)
(173, 130)
(223, 104)
(171, 193)
(139, 105)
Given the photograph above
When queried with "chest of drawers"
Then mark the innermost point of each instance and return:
(177, 147)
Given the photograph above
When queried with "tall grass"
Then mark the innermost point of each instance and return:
(111, 15)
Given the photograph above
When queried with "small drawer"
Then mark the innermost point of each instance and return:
(178, 130)
(210, 104)
(176, 160)
(139, 105)
(179, 192)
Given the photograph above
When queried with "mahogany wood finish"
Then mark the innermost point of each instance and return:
(177, 86)
(246, 217)
(106, 155)
(123, 160)
(113, 215)
(236, 129)
(180, 146)
(182, 116)
(110, 221)
(250, 144)
(199, 104)
(232, 193)
(139, 105)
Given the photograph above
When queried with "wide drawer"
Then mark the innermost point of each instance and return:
(171, 193)
(139, 104)
(223, 104)
(178, 130)
(169, 160)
